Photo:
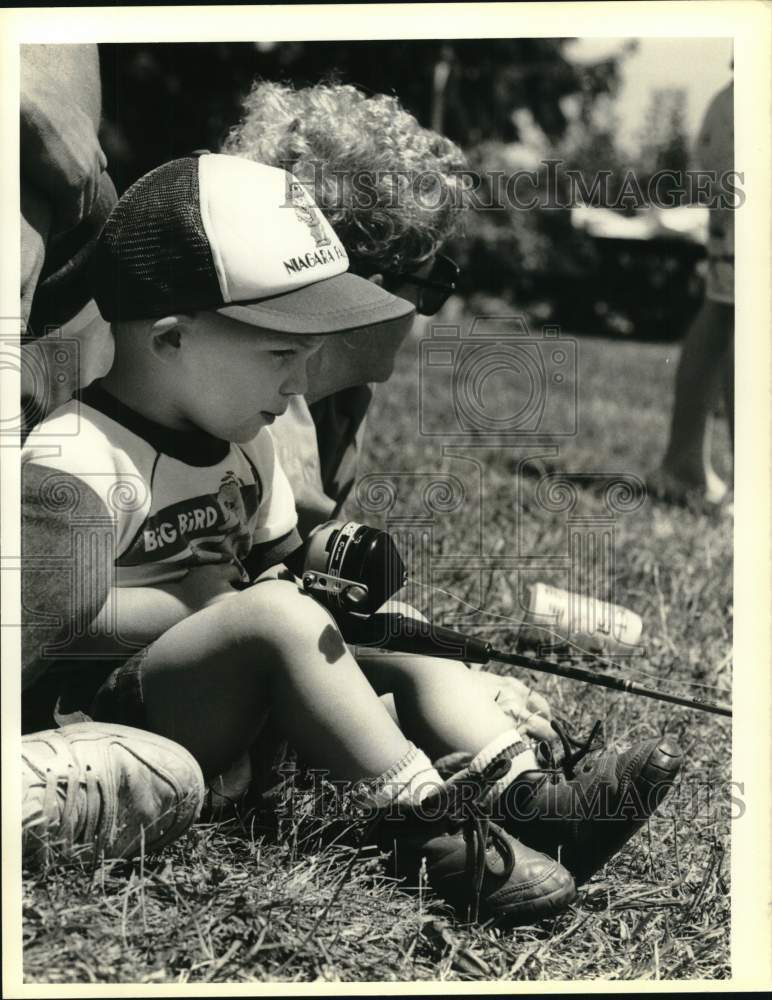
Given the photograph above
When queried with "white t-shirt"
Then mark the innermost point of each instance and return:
(177, 499)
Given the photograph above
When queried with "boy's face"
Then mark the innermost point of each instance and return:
(235, 378)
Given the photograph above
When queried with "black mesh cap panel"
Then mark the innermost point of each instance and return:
(153, 257)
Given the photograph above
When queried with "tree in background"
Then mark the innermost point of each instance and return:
(163, 100)
(664, 139)
(649, 287)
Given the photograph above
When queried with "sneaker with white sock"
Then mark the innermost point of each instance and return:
(91, 790)
(445, 829)
(470, 861)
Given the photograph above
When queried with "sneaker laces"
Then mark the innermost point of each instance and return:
(574, 751)
(79, 815)
(468, 812)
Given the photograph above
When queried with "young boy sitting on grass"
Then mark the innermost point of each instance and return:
(219, 289)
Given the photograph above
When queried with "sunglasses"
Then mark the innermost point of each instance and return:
(434, 290)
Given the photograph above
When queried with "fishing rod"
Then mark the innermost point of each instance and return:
(353, 569)
(397, 632)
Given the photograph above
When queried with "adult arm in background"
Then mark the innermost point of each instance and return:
(319, 438)
(56, 593)
(61, 159)
(60, 109)
(297, 447)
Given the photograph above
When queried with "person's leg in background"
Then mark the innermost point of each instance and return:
(705, 369)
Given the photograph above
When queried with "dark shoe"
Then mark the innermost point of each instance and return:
(583, 807)
(472, 863)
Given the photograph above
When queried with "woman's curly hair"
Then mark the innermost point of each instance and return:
(393, 191)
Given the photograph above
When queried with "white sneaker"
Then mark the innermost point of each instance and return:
(92, 789)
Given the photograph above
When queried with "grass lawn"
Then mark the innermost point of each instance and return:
(229, 903)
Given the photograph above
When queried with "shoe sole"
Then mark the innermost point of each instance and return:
(543, 908)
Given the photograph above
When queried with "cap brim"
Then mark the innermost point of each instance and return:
(335, 305)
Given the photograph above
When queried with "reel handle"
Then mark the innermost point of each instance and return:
(352, 567)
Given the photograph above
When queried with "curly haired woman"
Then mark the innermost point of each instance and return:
(395, 193)
(393, 190)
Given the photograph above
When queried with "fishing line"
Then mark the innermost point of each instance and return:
(606, 660)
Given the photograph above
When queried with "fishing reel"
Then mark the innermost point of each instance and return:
(352, 568)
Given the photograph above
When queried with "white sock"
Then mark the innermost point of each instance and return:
(508, 745)
(407, 782)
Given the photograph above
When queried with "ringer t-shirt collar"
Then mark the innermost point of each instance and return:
(194, 447)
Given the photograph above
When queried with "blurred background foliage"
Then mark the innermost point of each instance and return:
(510, 103)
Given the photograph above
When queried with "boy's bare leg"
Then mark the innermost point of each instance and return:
(439, 703)
(209, 680)
(428, 685)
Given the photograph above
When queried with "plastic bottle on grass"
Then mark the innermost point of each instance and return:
(558, 617)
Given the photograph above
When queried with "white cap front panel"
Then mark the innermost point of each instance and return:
(266, 233)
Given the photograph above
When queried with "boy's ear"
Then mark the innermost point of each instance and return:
(377, 279)
(166, 337)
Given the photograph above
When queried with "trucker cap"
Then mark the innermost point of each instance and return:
(222, 233)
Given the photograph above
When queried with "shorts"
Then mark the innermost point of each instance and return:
(81, 690)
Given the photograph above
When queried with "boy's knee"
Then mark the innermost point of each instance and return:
(278, 611)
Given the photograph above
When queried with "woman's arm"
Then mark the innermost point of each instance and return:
(60, 104)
